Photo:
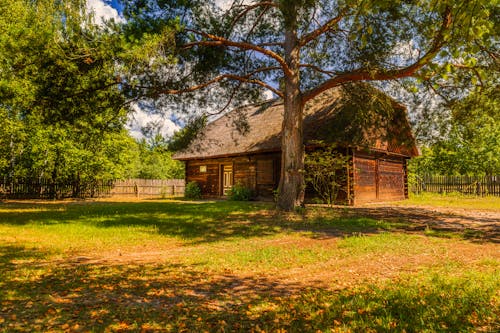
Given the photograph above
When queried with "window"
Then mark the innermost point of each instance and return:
(203, 168)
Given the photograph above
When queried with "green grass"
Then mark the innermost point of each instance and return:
(178, 266)
(104, 226)
(454, 200)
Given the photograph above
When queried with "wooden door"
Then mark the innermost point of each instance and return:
(391, 180)
(227, 178)
(365, 179)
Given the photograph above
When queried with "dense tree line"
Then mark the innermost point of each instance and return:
(63, 105)
(66, 84)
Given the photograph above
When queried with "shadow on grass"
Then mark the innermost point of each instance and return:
(211, 221)
(9, 254)
(131, 298)
(196, 222)
(433, 223)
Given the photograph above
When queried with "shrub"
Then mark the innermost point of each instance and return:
(240, 193)
(326, 172)
(192, 191)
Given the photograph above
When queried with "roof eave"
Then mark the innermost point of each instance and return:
(250, 152)
(277, 150)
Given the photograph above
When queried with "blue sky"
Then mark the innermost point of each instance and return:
(116, 5)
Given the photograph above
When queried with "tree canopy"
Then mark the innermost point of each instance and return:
(62, 102)
(228, 53)
(471, 144)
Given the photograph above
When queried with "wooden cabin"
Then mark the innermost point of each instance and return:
(244, 146)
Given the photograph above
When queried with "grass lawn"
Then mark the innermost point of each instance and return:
(454, 200)
(179, 266)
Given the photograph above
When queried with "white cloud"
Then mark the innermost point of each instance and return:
(405, 53)
(140, 118)
(226, 4)
(103, 11)
(268, 95)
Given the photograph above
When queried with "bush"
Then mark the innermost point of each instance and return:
(326, 172)
(192, 191)
(240, 193)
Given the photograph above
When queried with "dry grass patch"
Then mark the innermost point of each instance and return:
(178, 266)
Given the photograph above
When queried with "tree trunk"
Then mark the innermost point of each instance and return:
(291, 188)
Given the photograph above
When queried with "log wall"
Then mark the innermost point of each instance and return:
(372, 177)
(257, 172)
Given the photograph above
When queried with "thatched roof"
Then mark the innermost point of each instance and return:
(354, 115)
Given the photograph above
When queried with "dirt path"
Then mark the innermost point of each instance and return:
(478, 224)
(340, 272)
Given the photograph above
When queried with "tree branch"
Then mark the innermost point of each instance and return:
(476, 72)
(257, 20)
(220, 41)
(228, 103)
(493, 55)
(245, 79)
(382, 74)
(281, 44)
(251, 7)
(321, 30)
(318, 69)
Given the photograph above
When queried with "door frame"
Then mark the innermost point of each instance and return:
(221, 176)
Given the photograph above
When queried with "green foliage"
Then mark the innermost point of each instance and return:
(60, 95)
(155, 162)
(326, 171)
(182, 138)
(472, 143)
(374, 37)
(192, 191)
(229, 55)
(65, 84)
(240, 192)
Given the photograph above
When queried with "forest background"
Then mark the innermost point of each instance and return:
(68, 86)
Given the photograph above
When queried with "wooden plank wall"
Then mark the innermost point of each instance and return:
(378, 178)
(268, 175)
(391, 180)
(365, 179)
(208, 180)
(245, 172)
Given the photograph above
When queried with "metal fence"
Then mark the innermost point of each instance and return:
(473, 185)
(24, 188)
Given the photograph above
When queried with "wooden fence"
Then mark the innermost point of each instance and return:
(474, 185)
(148, 188)
(46, 189)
